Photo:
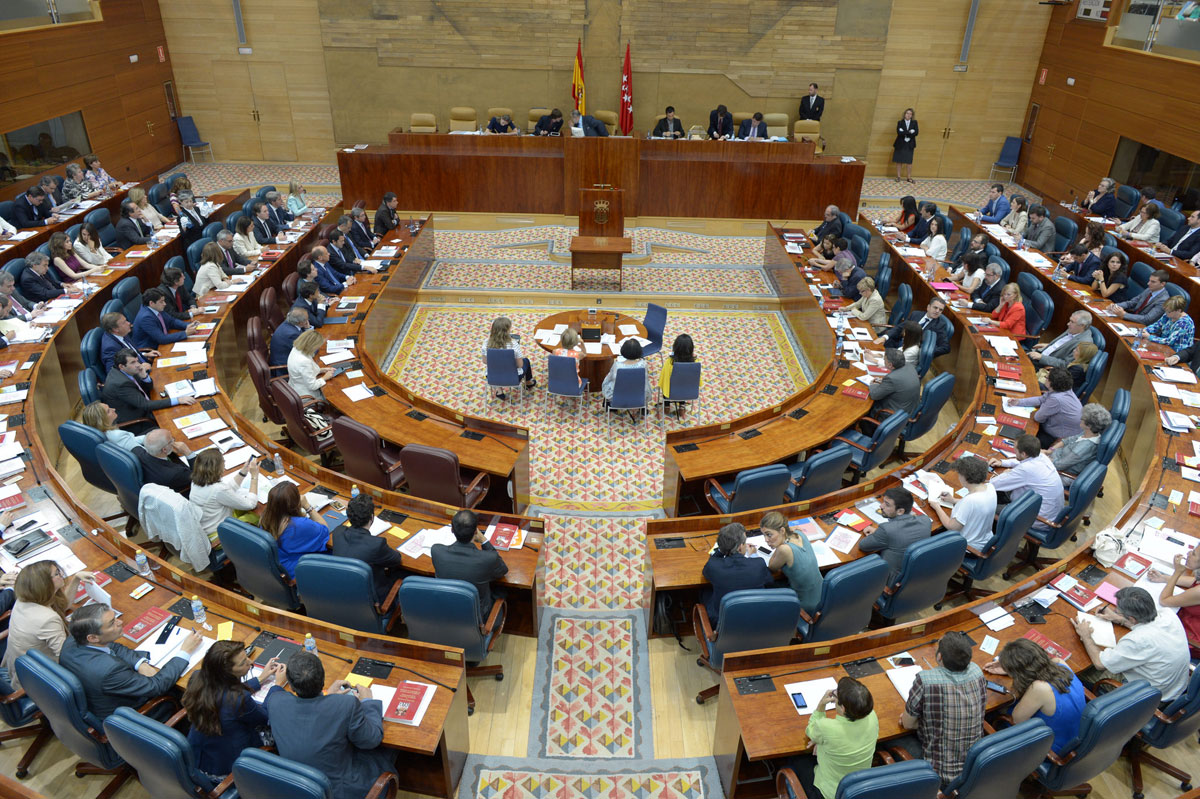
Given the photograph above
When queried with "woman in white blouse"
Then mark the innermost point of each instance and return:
(1144, 226)
(150, 214)
(210, 276)
(1018, 217)
(935, 243)
(101, 417)
(89, 248)
(217, 497)
(869, 305)
(244, 242)
(304, 374)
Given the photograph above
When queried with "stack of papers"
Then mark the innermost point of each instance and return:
(1176, 422)
(358, 392)
(337, 356)
(903, 678)
(422, 542)
(1005, 347)
(1175, 375)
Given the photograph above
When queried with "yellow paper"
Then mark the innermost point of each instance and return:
(399, 532)
(849, 382)
(225, 631)
(359, 680)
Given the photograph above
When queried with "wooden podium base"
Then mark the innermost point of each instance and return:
(599, 252)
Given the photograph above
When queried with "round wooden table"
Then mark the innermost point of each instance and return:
(594, 367)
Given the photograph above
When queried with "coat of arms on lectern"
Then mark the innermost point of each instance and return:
(600, 207)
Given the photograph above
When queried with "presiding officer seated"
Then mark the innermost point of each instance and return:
(669, 127)
(503, 124)
(720, 123)
(588, 124)
(549, 124)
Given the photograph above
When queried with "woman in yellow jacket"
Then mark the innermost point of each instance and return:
(681, 352)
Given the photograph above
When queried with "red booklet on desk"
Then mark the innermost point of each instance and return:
(1004, 446)
(1151, 355)
(503, 536)
(271, 253)
(1012, 421)
(1078, 594)
(854, 391)
(143, 626)
(1008, 371)
(1133, 565)
(1053, 649)
(406, 704)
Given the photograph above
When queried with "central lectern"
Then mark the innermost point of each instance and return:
(601, 242)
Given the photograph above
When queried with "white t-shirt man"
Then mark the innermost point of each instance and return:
(975, 511)
(1156, 652)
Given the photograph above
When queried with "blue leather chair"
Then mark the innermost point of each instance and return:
(629, 394)
(1177, 722)
(1126, 199)
(1041, 309)
(124, 471)
(261, 194)
(1169, 223)
(964, 241)
(255, 555)
(73, 231)
(871, 451)
(685, 383)
(89, 386)
(819, 474)
(231, 221)
(113, 306)
(89, 351)
(193, 253)
(758, 618)
(846, 220)
(563, 380)
(104, 226)
(342, 591)
(170, 179)
(446, 612)
(266, 775)
(935, 395)
(1139, 279)
(1109, 441)
(212, 229)
(925, 352)
(847, 594)
(177, 262)
(903, 305)
(861, 248)
(1005, 269)
(947, 225)
(992, 250)
(1065, 231)
(906, 779)
(761, 487)
(6, 211)
(129, 291)
(885, 261)
(58, 694)
(997, 764)
(924, 575)
(22, 719)
(158, 193)
(1176, 291)
(883, 280)
(1012, 523)
(1109, 722)
(1028, 283)
(1120, 406)
(246, 206)
(1053, 533)
(15, 267)
(44, 249)
(853, 231)
(82, 442)
(655, 323)
(502, 374)
(1091, 377)
(162, 757)
(1007, 162)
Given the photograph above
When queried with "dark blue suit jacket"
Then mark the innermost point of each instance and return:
(995, 210)
(941, 326)
(1105, 206)
(109, 679)
(746, 129)
(109, 345)
(25, 214)
(1190, 247)
(148, 333)
(316, 318)
(342, 261)
(733, 573)
(281, 343)
(920, 230)
(328, 280)
(725, 128)
(592, 126)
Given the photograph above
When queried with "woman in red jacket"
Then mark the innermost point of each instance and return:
(1011, 313)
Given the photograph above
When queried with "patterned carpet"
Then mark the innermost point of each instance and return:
(521, 784)
(595, 563)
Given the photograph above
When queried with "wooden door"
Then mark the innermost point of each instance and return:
(275, 130)
(237, 139)
(934, 103)
(151, 129)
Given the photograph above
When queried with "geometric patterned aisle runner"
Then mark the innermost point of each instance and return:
(594, 563)
(496, 783)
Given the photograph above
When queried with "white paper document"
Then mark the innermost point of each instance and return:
(804, 695)
(903, 678)
(358, 392)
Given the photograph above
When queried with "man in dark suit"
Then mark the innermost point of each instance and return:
(345, 224)
(832, 226)
(54, 197)
(360, 231)
(126, 393)
(921, 230)
(36, 282)
(117, 327)
(549, 123)
(33, 210)
(929, 319)
(181, 302)
(669, 127)
(720, 123)
(354, 540)
(753, 128)
(1039, 233)
(310, 300)
(1059, 351)
(812, 105)
(589, 124)
(234, 262)
(1188, 356)
(1186, 241)
(728, 569)
(152, 328)
(295, 323)
(1147, 307)
(462, 561)
(899, 390)
(986, 296)
(331, 282)
(131, 230)
(163, 463)
(22, 308)
(277, 211)
(386, 218)
(112, 675)
(261, 226)
(341, 255)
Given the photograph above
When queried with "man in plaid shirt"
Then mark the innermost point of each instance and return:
(946, 707)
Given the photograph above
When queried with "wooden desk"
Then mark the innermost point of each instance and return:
(10, 249)
(594, 367)
(543, 174)
(599, 252)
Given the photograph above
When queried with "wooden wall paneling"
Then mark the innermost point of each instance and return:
(589, 161)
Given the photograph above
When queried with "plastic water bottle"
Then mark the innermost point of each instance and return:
(198, 613)
(1021, 243)
(354, 491)
(278, 464)
(309, 644)
(154, 240)
(1137, 340)
(143, 564)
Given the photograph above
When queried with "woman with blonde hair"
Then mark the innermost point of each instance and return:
(304, 374)
(869, 305)
(297, 201)
(218, 497)
(64, 260)
(210, 275)
(38, 618)
(1010, 314)
(151, 215)
(501, 338)
(100, 416)
(244, 243)
(178, 186)
(794, 557)
(1084, 352)
(89, 248)
(570, 346)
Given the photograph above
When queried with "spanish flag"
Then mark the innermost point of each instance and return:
(577, 92)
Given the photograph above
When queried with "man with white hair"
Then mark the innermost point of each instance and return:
(163, 461)
(295, 323)
(1061, 350)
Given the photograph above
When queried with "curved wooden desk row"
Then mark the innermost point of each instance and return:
(19, 249)
(753, 728)
(543, 175)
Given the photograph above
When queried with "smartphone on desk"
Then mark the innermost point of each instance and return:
(997, 687)
(799, 701)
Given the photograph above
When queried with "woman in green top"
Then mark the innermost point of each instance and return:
(843, 744)
(794, 557)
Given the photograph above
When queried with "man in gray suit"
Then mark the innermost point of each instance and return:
(113, 675)
(1061, 350)
(462, 561)
(1146, 307)
(899, 391)
(1039, 233)
(901, 529)
(337, 732)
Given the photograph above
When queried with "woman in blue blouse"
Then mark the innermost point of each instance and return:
(296, 525)
(225, 718)
(1174, 328)
(1045, 689)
